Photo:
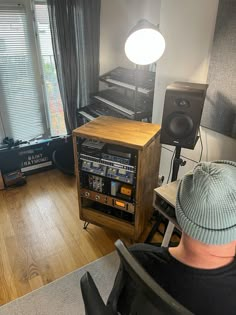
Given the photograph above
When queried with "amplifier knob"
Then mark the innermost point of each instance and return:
(97, 197)
(87, 194)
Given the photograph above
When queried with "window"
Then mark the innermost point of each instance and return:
(30, 103)
(55, 109)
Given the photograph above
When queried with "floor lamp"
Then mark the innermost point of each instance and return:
(144, 45)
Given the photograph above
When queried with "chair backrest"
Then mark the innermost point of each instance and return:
(154, 294)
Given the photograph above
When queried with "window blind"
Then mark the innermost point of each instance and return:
(21, 111)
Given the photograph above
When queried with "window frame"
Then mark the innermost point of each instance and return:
(39, 59)
(36, 62)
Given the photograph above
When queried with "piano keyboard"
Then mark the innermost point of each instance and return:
(128, 86)
(86, 115)
(114, 105)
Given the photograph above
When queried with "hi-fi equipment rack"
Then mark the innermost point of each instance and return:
(116, 163)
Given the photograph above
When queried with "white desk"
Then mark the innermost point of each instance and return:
(166, 193)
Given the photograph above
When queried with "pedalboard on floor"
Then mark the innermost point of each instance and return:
(108, 176)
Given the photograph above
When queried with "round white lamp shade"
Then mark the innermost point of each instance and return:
(144, 46)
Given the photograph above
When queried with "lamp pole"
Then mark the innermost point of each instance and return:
(136, 90)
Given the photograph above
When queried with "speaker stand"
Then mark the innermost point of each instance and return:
(177, 163)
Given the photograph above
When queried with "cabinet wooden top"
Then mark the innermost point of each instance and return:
(136, 134)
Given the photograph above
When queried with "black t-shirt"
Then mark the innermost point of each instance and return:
(202, 291)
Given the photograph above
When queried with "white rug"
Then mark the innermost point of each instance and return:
(63, 296)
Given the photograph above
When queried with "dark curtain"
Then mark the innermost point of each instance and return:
(75, 29)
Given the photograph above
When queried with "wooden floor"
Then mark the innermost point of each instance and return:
(41, 235)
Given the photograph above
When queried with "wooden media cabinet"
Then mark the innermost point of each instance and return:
(116, 165)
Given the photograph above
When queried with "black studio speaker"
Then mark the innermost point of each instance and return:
(182, 114)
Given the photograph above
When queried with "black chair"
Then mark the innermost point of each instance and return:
(149, 297)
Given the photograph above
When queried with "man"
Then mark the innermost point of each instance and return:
(200, 272)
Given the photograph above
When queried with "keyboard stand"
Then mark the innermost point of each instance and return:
(164, 200)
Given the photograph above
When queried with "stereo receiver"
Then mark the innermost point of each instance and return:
(107, 168)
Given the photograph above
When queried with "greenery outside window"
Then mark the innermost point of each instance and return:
(54, 103)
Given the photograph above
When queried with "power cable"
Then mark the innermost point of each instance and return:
(171, 165)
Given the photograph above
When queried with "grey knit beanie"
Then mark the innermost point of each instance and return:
(206, 202)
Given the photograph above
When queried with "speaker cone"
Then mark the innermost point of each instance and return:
(179, 125)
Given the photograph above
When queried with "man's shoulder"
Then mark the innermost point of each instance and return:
(150, 252)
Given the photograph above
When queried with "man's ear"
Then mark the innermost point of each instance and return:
(234, 242)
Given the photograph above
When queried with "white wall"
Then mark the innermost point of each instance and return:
(117, 18)
(188, 28)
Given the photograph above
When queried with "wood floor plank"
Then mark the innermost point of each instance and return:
(20, 263)
(6, 227)
(7, 283)
(36, 282)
